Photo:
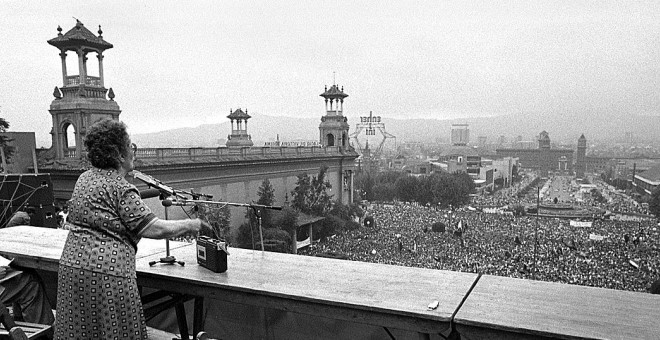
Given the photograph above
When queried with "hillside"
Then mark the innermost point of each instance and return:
(264, 128)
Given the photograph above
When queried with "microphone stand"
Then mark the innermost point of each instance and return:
(180, 199)
(168, 259)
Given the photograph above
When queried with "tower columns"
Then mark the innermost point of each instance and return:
(99, 56)
(81, 66)
(63, 56)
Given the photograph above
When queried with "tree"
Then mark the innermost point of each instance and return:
(654, 203)
(285, 220)
(218, 217)
(384, 192)
(406, 188)
(364, 185)
(310, 195)
(248, 233)
(266, 194)
(4, 141)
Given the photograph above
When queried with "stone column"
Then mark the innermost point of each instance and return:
(63, 56)
(99, 56)
(85, 66)
(81, 66)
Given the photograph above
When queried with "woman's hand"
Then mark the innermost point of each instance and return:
(205, 226)
(3, 272)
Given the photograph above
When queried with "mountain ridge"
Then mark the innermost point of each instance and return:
(264, 128)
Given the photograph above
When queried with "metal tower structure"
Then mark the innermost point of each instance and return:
(370, 124)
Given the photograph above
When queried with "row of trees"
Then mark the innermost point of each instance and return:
(4, 142)
(439, 188)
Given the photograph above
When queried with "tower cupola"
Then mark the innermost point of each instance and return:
(239, 136)
(81, 100)
(334, 126)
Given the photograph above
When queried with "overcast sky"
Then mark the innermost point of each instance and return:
(186, 63)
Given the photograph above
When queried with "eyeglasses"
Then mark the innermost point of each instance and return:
(134, 148)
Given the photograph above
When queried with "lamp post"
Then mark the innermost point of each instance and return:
(450, 213)
(536, 229)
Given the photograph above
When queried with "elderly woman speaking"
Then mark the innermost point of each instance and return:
(97, 291)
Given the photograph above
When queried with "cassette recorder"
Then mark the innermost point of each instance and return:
(212, 254)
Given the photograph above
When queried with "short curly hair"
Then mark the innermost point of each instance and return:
(106, 141)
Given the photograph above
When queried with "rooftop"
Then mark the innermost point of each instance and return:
(79, 35)
(334, 92)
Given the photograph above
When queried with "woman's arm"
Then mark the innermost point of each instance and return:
(160, 229)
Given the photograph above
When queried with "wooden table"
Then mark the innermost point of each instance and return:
(41, 248)
(506, 308)
(383, 295)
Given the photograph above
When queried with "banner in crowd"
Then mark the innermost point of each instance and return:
(581, 224)
(596, 237)
(303, 243)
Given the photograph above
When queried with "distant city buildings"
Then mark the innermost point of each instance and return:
(544, 159)
(647, 181)
(580, 159)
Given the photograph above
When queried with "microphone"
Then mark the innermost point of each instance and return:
(166, 202)
(149, 193)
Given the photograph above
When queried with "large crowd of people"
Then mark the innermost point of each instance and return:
(609, 254)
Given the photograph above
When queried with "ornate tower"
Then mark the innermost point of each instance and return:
(81, 100)
(580, 159)
(544, 153)
(239, 136)
(334, 126)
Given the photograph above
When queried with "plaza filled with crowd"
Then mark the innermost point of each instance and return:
(609, 253)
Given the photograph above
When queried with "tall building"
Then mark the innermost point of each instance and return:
(544, 153)
(460, 134)
(580, 161)
(81, 100)
(334, 126)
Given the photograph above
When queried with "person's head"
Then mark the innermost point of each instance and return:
(109, 145)
(655, 287)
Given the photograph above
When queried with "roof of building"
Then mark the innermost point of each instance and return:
(582, 137)
(334, 92)
(305, 219)
(652, 174)
(238, 113)
(461, 150)
(79, 35)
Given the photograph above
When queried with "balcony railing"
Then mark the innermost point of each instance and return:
(88, 92)
(70, 153)
(90, 80)
(220, 153)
